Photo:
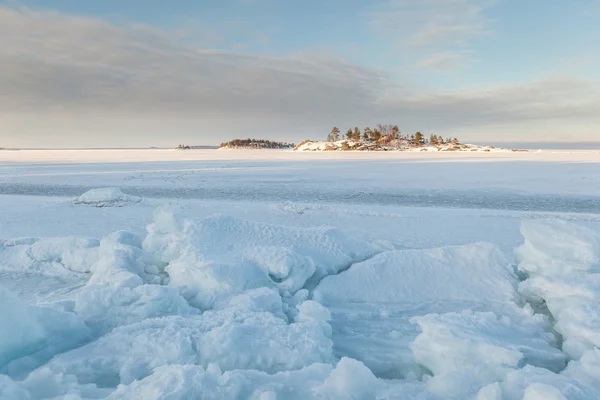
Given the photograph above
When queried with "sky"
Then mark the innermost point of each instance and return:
(140, 73)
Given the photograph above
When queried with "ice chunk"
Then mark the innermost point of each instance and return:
(53, 256)
(350, 378)
(106, 197)
(21, 333)
(467, 350)
(373, 301)
(31, 335)
(104, 307)
(586, 369)
(44, 384)
(558, 247)
(534, 383)
(574, 302)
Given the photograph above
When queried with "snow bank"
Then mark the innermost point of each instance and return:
(106, 197)
(372, 303)
(213, 258)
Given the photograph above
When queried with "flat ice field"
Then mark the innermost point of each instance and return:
(206, 274)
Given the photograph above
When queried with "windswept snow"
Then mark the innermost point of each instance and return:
(168, 298)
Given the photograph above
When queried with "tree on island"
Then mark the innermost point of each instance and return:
(256, 144)
(375, 135)
(395, 132)
(388, 134)
(334, 136)
(418, 139)
(367, 134)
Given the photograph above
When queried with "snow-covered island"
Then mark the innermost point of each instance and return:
(399, 145)
(388, 138)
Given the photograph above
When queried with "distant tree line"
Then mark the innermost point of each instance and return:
(257, 144)
(388, 134)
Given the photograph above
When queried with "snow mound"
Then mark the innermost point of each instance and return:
(106, 197)
(373, 302)
(31, 335)
(465, 350)
(558, 247)
(214, 258)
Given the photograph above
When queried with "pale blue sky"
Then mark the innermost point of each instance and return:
(99, 73)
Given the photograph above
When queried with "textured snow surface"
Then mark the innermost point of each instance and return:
(224, 308)
(286, 300)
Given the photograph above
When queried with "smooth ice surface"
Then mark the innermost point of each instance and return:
(282, 275)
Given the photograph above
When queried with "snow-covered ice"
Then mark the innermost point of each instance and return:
(286, 275)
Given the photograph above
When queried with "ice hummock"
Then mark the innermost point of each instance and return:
(228, 308)
(106, 197)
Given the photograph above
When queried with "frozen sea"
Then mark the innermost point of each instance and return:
(267, 274)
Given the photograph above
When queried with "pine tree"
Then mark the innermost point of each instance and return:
(356, 134)
(334, 136)
(349, 134)
(395, 132)
(418, 140)
(366, 134)
(375, 135)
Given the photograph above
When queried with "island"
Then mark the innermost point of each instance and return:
(255, 144)
(389, 138)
